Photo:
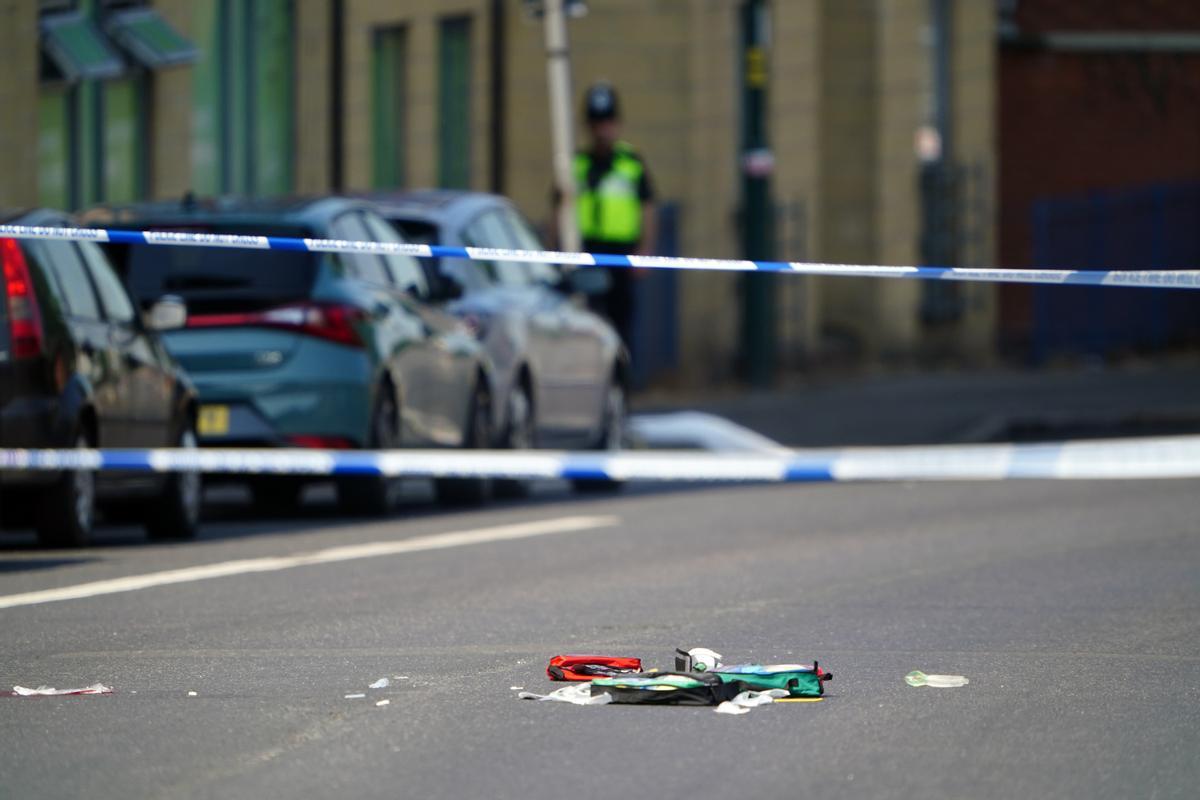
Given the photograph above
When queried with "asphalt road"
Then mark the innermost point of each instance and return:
(1072, 607)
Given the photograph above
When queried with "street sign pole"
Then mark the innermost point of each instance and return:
(758, 302)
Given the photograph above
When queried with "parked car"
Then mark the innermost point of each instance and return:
(80, 368)
(298, 349)
(562, 370)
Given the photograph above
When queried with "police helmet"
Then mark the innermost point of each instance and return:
(600, 103)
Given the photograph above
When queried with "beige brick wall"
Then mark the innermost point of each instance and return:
(171, 110)
(975, 131)
(422, 18)
(905, 87)
(313, 171)
(848, 113)
(795, 140)
(19, 99)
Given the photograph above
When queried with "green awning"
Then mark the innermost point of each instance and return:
(149, 39)
(79, 51)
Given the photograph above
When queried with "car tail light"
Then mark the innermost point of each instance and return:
(24, 317)
(335, 323)
(321, 442)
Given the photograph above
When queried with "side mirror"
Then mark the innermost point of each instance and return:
(168, 314)
(589, 280)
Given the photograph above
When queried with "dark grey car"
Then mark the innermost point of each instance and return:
(561, 369)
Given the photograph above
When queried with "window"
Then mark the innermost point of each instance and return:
(390, 97)
(116, 303)
(68, 270)
(454, 103)
(359, 265)
(148, 38)
(527, 239)
(407, 273)
(489, 230)
(242, 132)
(75, 50)
(123, 146)
(92, 106)
(54, 149)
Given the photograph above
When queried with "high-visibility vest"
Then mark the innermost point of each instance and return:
(611, 211)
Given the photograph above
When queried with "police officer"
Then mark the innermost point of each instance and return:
(615, 203)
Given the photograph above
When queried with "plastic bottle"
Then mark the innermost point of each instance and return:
(918, 678)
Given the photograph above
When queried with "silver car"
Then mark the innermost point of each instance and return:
(562, 370)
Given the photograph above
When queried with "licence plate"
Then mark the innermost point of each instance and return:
(213, 421)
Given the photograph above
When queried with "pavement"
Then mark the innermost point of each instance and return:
(1151, 398)
(1071, 607)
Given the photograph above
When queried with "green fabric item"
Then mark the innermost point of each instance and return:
(796, 683)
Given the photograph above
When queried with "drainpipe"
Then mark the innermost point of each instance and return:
(337, 13)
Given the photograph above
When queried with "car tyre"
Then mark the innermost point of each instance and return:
(519, 435)
(175, 514)
(67, 511)
(611, 438)
(374, 495)
(470, 491)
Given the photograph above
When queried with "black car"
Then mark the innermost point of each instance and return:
(81, 368)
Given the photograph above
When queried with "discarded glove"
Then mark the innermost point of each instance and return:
(579, 694)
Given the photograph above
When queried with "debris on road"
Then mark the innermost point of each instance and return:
(579, 694)
(193, 694)
(698, 659)
(357, 696)
(918, 678)
(382, 683)
(586, 667)
(45, 691)
(382, 703)
(700, 679)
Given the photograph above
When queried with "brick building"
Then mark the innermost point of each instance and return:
(1099, 109)
(308, 96)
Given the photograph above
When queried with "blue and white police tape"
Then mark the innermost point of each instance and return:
(1122, 459)
(1162, 279)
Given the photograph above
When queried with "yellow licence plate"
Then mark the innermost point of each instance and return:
(213, 421)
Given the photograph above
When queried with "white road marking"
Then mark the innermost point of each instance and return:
(439, 541)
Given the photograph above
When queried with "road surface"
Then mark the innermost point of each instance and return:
(1072, 607)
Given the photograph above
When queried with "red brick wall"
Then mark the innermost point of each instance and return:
(1074, 122)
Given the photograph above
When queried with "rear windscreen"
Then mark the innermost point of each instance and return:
(217, 279)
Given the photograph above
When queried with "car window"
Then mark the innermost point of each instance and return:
(489, 230)
(351, 227)
(116, 303)
(407, 273)
(217, 280)
(527, 239)
(68, 270)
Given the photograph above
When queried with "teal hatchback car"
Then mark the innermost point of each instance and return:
(296, 349)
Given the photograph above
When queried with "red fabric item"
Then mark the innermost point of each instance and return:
(586, 667)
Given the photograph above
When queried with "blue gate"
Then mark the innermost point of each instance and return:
(1154, 227)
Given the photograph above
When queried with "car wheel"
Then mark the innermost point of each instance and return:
(175, 513)
(67, 510)
(470, 491)
(374, 495)
(520, 435)
(611, 438)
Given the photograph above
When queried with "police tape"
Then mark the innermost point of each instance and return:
(1162, 279)
(1120, 459)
